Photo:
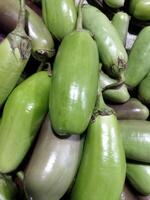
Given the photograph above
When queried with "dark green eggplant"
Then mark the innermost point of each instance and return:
(121, 22)
(74, 82)
(139, 176)
(139, 59)
(8, 189)
(136, 139)
(41, 39)
(144, 90)
(22, 116)
(118, 94)
(101, 174)
(59, 16)
(132, 109)
(140, 9)
(15, 52)
(111, 49)
(50, 176)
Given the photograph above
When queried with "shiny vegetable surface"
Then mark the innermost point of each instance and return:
(74, 83)
(140, 9)
(60, 16)
(139, 176)
(111, 49)
(132, 109)
(41, 39)
(103, 161)
(115, 3)
(136, 139)
(58, 164)
(21, 119)
(139, 59)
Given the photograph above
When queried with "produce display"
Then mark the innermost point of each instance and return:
(75, 100)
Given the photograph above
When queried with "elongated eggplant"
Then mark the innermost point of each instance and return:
(139, 176)
(103, 161)
(74, 82)
(136, 139)
(60, 16)
(111, 49)
(22, 116)
(41, 39)
(132, 109)
(50, 176)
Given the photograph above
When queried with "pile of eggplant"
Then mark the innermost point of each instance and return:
(74, 100)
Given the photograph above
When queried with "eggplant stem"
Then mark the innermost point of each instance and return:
(21, 19)
(79, 19)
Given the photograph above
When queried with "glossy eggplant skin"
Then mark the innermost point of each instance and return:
(50, 176)
(132, 109)
(103, 162)
(115, 3)
(139, 176)
(8, 189)
(139, 59)
(111, 50)
(22, 116)
(136, 139)
(140, 9)
(59, 16)
(41, 39)
(74, 83)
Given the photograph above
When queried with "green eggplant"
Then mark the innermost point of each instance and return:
(121, 22)
(132, 109)
(139, 59)
(136, 139)
(139, 176)
(50, 176)
(140, 9)
(111, 50)
(118, 94)
(23, 113)
(41, 39)
(15, 51)
(74, 82)
(143, 90)
(59, 16)
(103, 161)
(115, 3)
(8, 189)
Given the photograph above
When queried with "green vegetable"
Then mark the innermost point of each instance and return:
(15, 51)
(59, 16)
(143, 90)
(74, 83)
(140, 9)
(139, 59)
(8, 189)
(41, 39)
(136, 139)
(21, 119)
(139, 176)
(51, 176)
(111, 49)
(115, 3)
(121, 21)
(102, 170)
